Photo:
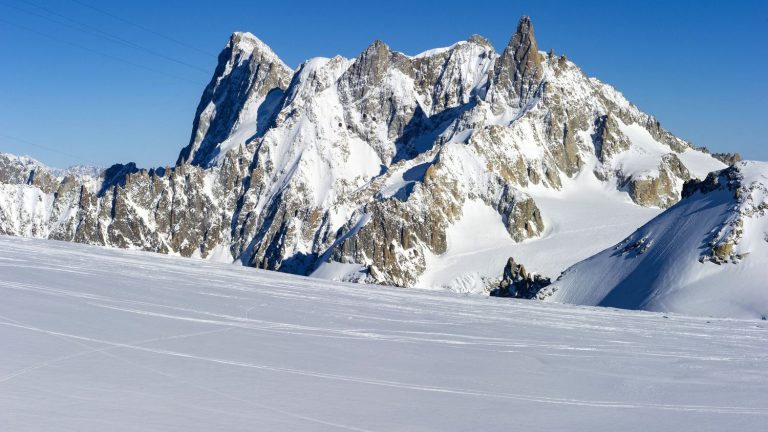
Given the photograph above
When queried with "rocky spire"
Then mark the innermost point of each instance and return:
(369, 69)
(247, 71)
(518, 71)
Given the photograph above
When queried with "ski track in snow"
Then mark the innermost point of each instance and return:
(95, 337)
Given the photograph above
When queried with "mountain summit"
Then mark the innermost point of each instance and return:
(518, 73)
(425, 170)
(247, 73)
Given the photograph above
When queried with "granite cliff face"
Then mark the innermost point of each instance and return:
(517, 74)
(239, 101)
(356, 168)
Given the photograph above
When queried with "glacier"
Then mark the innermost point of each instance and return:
(97, 338)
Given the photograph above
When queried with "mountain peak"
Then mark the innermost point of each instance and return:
(247, 41)
(248, 44)
(375, 49)
(247, 71)
(369, 68)
(518, 72)
(525, 25)
(479, 40)
(245, 36)
(523, 41)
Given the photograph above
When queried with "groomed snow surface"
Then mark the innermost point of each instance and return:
(96, 339)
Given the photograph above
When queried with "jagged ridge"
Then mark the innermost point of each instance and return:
(356, 169)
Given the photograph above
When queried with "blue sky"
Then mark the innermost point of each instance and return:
(121, 82)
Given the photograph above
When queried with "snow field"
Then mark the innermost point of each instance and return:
(102, 339)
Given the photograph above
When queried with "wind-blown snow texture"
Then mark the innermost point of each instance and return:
(98, 339)
(707, 255)
(376, 169)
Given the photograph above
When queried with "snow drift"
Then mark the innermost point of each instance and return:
(707, 255)
(98, 339)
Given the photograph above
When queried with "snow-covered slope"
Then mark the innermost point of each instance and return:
(707, 255)
(98, 339)
(580, 219)
(379, 168)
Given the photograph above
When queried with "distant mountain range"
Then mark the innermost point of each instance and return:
(417, 171)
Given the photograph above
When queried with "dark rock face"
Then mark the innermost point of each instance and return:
(16, 171)
(518, 283)
(518, 72)
(729, 159)
(378, 111)
(608, 139)
(727, 178)
(370, 68)
(116, 175)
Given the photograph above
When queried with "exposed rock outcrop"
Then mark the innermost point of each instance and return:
(662, 190)
(729, 159)
(518, 283)
(360, 164)
(518, 72)
(608, 138)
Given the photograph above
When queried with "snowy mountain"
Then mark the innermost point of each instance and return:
(426, 170)
(133, 341)
(17, 169)
(706, 255)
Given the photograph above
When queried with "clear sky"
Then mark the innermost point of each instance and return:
(99, 82)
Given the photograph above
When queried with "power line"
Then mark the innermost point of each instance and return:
(98, 32)
(51, 149)
(142, 27)
(86, 48)
(91, 30)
